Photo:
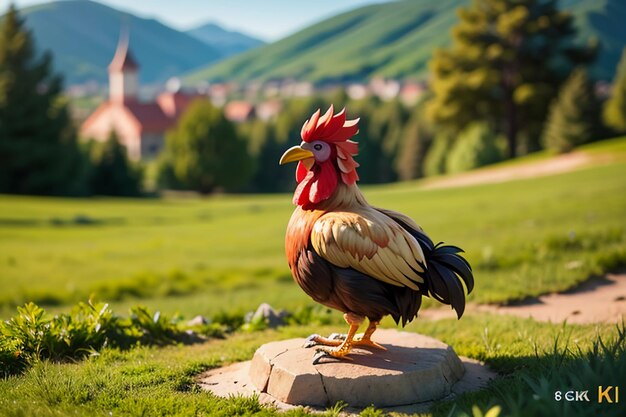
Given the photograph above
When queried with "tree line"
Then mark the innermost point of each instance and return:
(39, 149)
(512, 82)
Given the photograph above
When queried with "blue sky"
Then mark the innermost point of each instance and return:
(267, 19)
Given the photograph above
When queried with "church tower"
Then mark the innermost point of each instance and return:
(123, 78)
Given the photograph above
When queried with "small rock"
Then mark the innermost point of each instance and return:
(272, 317)
(198, 321)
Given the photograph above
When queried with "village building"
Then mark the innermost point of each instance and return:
(357, 91)
(411, 92)
(140, 126)
(239, 111)
(269, 109)
(385, 89)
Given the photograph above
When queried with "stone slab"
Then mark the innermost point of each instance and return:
(413, 372)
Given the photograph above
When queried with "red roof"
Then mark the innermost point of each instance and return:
(150, 116)
(175, 103)
(239, 111)
(123, 58)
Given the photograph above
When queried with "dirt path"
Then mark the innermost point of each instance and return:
(597, 301)
(555, 165)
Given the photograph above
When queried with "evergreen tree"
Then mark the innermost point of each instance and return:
(505, 65)
(204, 152)
(415, 142)
(269, 175)
(379, 137)
(574, 116)
(113, 173)
(476, 146)
(615, 107)
(38, 148)
(436, 158)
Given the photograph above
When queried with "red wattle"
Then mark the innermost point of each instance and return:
(318, 185)
(301, 172)
(301, 195)
(324, 184)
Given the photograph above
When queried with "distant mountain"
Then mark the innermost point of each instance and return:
(224, 41)
(395, 40)
(604, 20)
(82, 35)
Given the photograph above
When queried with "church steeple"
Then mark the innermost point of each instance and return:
(123, 79)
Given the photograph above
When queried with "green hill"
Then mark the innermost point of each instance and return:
(83, 35)
(603, 20)
(395, 40)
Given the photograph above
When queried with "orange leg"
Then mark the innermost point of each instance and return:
(366, 339)
(341, 345)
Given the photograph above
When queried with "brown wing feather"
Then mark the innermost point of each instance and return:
(370, 242)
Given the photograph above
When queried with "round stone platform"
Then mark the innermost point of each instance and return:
(415, 369)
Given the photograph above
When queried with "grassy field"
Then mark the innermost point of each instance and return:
(523, 238)
(533, 359)
(225, 254)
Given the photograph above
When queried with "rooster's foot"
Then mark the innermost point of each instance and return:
(335, 339)
(368, 343)
(341, 345)
(338, 352)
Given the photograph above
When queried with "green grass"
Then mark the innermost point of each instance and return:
(225, 254)
(160, 382)
(610, 150)
(524, 238)
(615, 147)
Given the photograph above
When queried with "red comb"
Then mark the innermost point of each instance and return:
(329, 127)
(335, 129)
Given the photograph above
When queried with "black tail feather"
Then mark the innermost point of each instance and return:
(460, 266)
(408, 305)
(445, 269)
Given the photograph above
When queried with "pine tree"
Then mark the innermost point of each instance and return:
(205, 152)
(615, 108)
(574, 116)
(269, 175)
(38, 148)
(415, 142)
(436, 159)
(113, 173)
(505, 65)
(379, 137)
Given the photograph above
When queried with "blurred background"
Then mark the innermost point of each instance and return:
(141, 200)
(168, 102)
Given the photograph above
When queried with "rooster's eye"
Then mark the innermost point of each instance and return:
(320, 149)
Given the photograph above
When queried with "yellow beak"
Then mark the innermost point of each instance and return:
(295, 153)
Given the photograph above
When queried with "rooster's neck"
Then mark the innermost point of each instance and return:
(344, 197)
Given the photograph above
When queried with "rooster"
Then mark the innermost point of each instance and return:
(364, 261)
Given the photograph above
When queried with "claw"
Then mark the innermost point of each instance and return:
(311, 341)
(336, 353)
(335, 339)
(330, 355)
(319, 355)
